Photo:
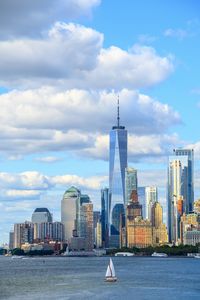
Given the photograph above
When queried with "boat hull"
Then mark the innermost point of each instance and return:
(111, 279)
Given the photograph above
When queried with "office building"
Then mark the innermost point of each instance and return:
(174, 195)
(188, 177)
(96, 222)
(139, 233)
(160, 235)
(130, 183)
(11, 240)
(117, 166)
(105, 216)
(151, 196)
(41, 215)
(23, 233)
(69, 210)
(86, 225)
(142, 200)
(180, 190)
(51, 231)
(189, 223)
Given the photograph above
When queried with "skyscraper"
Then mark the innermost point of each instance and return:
(174, 193)
(41, 215)
(105, 216)
(68, 211)
(151, 195)
(180, 189)
(117, 166)
(188, 183)
(130, 183)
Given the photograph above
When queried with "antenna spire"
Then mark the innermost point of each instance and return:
(118, 118)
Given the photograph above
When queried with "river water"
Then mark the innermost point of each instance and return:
(145, 278)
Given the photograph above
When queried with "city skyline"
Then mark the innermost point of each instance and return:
(57, 109)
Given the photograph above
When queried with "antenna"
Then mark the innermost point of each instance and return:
(118, 118)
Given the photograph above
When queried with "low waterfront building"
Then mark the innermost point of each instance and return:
(189, 222)
(191, 237)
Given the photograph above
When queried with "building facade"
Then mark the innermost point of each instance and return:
(180, 190)
(151, 196)
(139, 233)
(188, 181)
(117, 166)
(160, 234)
(23, 233)
(130, 183)
(68, 211)
(105, 215)
(41, 215)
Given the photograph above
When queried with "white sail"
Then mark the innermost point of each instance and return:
(112, 268)
(108, 272)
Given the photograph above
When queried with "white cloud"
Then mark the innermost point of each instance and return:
(177, 33)
(32, 184)
(30, 18)
(49, 120)
(48, 159)
(26, 63)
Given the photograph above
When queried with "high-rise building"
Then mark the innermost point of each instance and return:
(51, 231)
(180, 189)
(23, 233)
(11, 240)
(96, 222)
(41, 215)
(117, 166)
(130, 183)
(134, 208)
(151, 196)
(69, 210)
(188, 180)
(160, 235)
(174, 194)
(86, 225)
(105, 216)
(142, 200)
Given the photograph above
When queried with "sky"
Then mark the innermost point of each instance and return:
(63, 64)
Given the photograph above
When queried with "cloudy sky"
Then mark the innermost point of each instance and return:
(62, 65)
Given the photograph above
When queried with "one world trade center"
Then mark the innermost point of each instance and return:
(117, 166)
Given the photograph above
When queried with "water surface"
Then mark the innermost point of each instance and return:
(83, 278)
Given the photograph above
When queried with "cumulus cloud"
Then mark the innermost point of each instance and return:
(32, 184)
(151, 148)
(30, 18)
(26, 62)
(49, 120)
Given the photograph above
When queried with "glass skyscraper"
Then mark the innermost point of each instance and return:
(130, 183)
(180, 189)
(189, 177)
(117, 166)
(105, 216)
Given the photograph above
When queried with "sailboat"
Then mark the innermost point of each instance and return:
(110, 273)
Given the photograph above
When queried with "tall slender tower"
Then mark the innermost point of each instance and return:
(117, 166)
(180, 189)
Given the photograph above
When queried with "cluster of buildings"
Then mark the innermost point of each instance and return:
(130, 216)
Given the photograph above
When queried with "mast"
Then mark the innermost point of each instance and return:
(118, 118)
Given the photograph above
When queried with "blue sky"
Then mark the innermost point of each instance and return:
(62, 65)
